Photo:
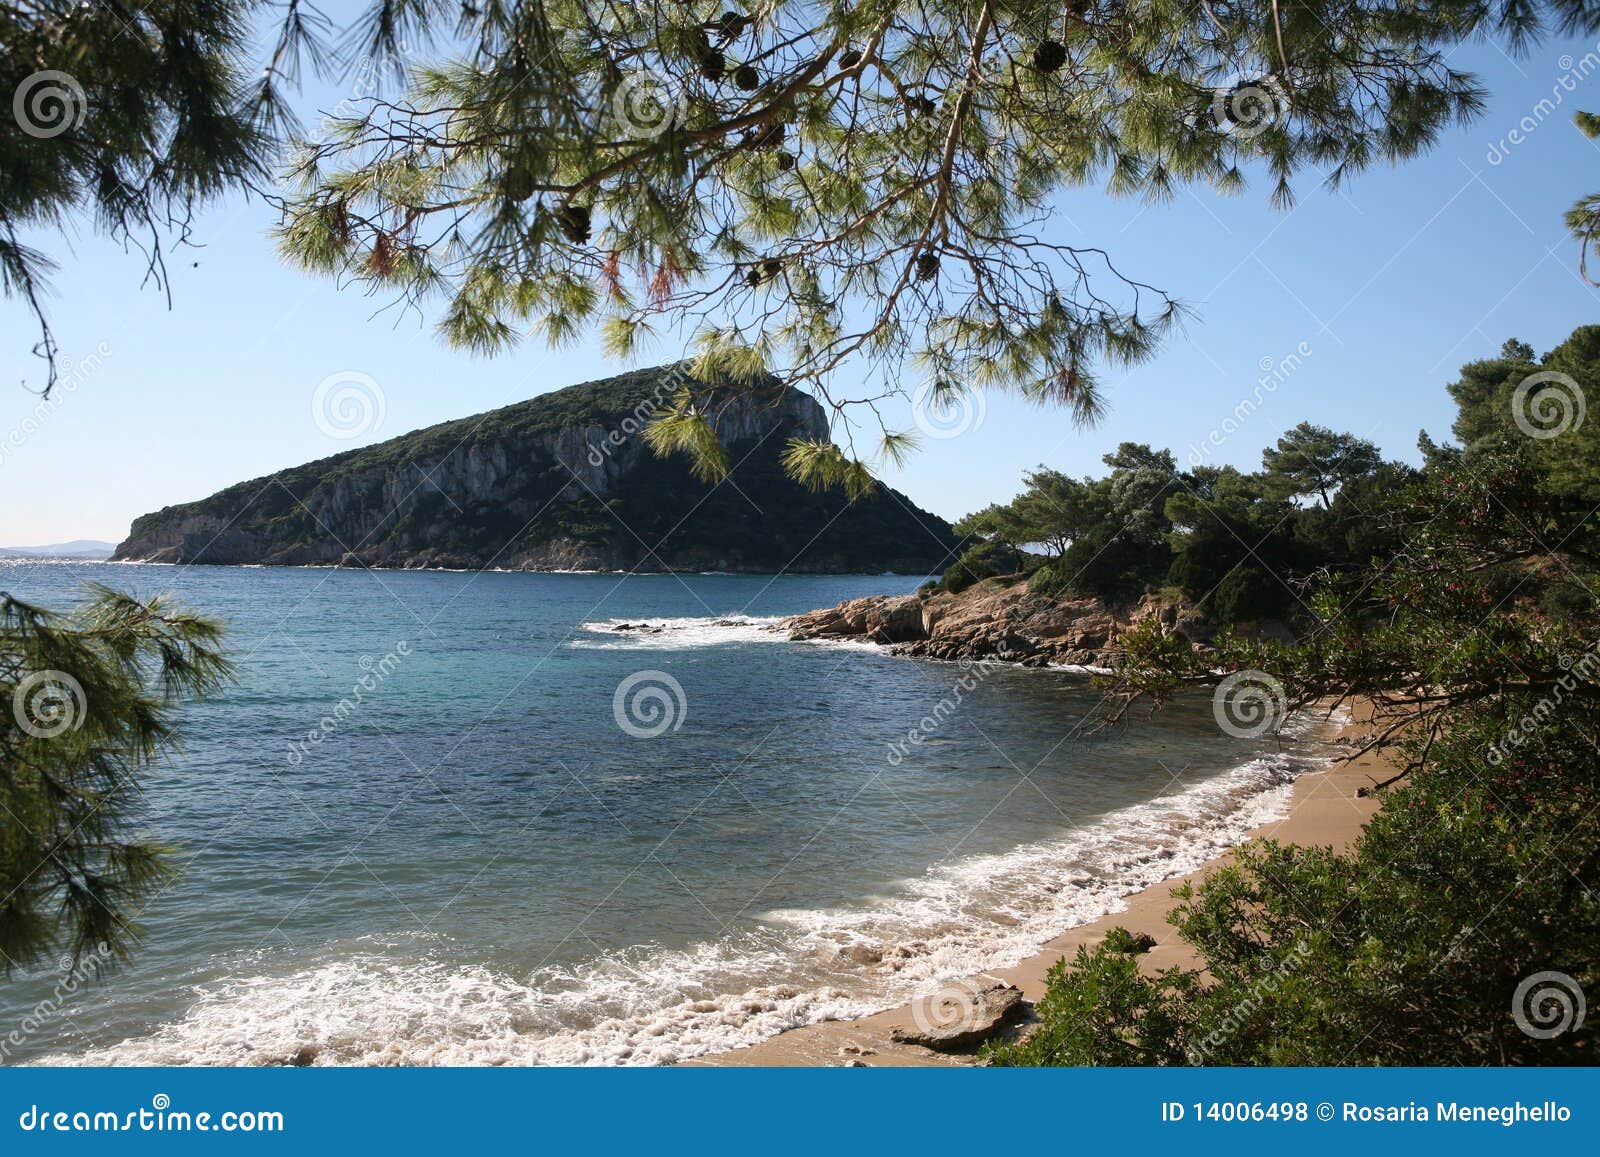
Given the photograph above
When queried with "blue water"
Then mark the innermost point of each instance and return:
(477, 863)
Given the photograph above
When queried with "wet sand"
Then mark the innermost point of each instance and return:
(1325, 811)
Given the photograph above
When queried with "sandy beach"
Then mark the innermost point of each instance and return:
(1325, 810)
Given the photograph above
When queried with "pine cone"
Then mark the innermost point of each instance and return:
(746, 77)
(574, 223)
(850, 58)
(1049, 56)
(927, 266)
(713, 65)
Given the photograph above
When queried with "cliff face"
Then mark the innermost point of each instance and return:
(560, 482)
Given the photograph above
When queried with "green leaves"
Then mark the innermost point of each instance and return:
(90, 700)
(128, 116)
(859, 189)
(823, 466)
(683, 428)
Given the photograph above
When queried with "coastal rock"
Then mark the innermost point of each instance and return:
(997, 619)
(563, 481)
(960, 1015)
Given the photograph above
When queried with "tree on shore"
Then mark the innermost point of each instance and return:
(130, 117)
(88, 704)
(853, 192)
(1313, 461)
(1463, 927)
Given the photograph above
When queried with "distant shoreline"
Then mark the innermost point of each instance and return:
(482, 570)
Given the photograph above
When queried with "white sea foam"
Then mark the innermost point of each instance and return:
(651, 1005)
(683, 634)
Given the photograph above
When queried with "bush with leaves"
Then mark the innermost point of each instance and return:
(1483, 868)
(87, 705)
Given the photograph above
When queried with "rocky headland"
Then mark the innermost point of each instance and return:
(1000, 619)
(563, 481)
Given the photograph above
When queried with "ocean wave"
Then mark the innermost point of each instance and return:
(654, 1005)
(683, 634)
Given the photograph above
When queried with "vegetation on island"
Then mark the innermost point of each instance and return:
(1464, 926)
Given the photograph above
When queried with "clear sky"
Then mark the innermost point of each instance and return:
(1390, 286)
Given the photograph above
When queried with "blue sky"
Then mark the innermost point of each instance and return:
(1390, 286)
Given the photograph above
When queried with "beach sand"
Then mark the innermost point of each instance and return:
(1325, 811)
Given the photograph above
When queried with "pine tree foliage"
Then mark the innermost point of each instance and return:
(129, 116)
(862, 183)
(86, 706)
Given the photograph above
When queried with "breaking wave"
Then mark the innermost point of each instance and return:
(406, 1004)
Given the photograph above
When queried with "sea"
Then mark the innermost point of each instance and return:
(597, 819)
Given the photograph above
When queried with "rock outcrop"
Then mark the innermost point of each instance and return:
(961, 1015)
(561, 482)
(995, 619)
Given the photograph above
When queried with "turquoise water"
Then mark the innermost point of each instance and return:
(479, 863)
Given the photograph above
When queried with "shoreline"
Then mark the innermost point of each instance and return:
(1324, 810)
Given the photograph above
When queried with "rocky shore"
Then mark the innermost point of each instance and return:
(998, 619)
